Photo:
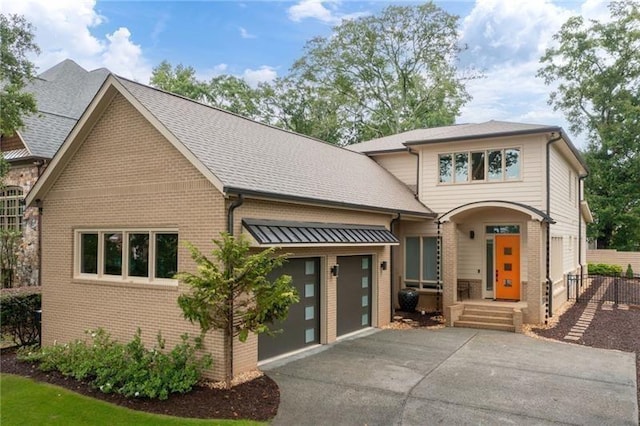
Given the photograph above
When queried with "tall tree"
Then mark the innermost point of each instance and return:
(388, 73)
(180, 80)
(596, 67)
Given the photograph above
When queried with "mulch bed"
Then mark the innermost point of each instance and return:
(257, 399)
(610, 329)
(415, 319)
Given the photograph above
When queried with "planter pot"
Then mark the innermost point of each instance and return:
(408, 299)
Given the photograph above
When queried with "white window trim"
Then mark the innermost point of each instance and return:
(470, 180)
(123, 278)
(6, 195)
(420, 281)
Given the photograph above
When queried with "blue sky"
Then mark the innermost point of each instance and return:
(259, 40)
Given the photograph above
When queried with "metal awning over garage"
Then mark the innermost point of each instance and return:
(274, 232)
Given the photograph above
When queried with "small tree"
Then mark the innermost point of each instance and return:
(233, 293)
(629, 272)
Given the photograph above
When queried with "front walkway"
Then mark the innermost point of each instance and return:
(456, 376)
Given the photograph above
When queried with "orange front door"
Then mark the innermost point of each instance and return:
(507, 267)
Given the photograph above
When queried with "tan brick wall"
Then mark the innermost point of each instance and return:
(614, 257)
(449, 265)
(535, 288)
(126, 175)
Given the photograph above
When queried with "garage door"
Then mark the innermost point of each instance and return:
(302, 326)
(354, 293)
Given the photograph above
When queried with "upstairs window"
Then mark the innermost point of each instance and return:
(139, 256)
(480, 166)
(11, 208)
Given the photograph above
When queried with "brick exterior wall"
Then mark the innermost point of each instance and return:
(126, 175)
(535, 291)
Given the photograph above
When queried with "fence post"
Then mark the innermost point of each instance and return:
(615, 291)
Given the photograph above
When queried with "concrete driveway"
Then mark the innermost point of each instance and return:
(455, 376)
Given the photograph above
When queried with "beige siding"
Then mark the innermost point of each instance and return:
(443, 197)
(401, 165)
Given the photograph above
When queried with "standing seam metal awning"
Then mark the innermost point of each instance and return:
(274, 232)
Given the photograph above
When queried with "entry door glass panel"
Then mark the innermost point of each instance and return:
(302, 326)
(354, 294)
(490, 271)
(507, 267)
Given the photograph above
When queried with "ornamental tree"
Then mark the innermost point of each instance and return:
(233, 293)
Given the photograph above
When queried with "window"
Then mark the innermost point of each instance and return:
(421, 262)
(11, 208)
(480, 166)
(502, 229)
(133, 255)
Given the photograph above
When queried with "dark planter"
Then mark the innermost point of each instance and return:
(408, 299)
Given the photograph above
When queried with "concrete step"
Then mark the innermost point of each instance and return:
(488, 312)
(485, 319)
(485, 325)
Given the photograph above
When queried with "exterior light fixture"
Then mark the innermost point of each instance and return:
(472, 235)
(334, 270)
(383, 265)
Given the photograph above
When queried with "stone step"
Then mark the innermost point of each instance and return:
(488, 312)
(486, 318)
(485, 325)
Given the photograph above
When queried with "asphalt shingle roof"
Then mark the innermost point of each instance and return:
(62, 94)
(249, 156)
(448, 133)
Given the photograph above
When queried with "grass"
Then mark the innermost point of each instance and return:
(24, 401)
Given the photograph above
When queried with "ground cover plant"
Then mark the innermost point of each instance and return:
(25, 401)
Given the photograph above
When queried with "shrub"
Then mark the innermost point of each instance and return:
(127, 369)
(629, 272)
(605, 269)
(17, 316)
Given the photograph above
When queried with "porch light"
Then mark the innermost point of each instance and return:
(472, 234)
(383, 265)
(334, 270)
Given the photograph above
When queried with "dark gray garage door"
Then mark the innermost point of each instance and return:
(354, 293)
(302, 326)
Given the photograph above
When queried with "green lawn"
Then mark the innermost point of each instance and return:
(23, 401)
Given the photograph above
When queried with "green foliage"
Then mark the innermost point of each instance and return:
(629, 272)
(131, 370)
(9, 243)
(605, 269)
(181, 80)
(16, 41)
(17, 317)
(232, 293)
(596, 67)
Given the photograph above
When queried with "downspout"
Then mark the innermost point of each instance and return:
(237, 203)
(41, 164)
(548, 239)
(580, 185)
(392, 271)
(417, 170)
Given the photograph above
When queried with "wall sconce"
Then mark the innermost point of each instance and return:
(472, 235)
(383, 265)
(334, 270)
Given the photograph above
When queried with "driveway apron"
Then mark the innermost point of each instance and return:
(455, 376)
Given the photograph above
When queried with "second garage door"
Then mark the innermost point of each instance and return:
(302, 326)
(354, 293)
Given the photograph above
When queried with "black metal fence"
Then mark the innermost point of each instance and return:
(602, 288)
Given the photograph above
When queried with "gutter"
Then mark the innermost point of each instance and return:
(548, 242)
(391, 268)
(237, 203)
(40, 164)
(580, 185)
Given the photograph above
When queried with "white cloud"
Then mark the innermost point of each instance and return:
(264, 73)
(245, 34)
(214, 71)
(316, 9)
(66, 29)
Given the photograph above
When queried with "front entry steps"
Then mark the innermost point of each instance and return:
(503, 318)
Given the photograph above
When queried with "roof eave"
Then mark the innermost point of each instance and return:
(485, 136)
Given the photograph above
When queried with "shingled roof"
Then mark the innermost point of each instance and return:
(62, 93)
(458, 132)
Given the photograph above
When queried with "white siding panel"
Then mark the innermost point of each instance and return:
(529, 190)
(402, 165)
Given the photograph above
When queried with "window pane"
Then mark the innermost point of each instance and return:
(495, 165)
(166, 255)
(512, 163)
(503, 229)
(462, 167)
(429, 259)
(113, 253)
(477, 165)
(139, 255)
(412, 258)
(445, 168)
(89, 253)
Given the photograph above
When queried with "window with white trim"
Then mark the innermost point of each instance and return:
(480, 166)
(132, 255)
(421, 262)
(11, 208)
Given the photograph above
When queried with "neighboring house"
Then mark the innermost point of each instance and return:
(62, 93)
(145, 171)
(511, 218)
